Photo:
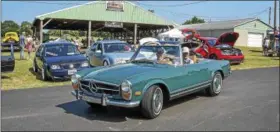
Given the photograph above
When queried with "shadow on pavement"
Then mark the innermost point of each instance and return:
(115, 114)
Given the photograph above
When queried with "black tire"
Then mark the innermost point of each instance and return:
(95, 106)
(35, 69)
(148, 104)
(213, 90)
(44, 75)
(270, 55)
(105, 63)
(213, 56)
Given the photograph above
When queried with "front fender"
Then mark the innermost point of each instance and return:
(150, 83)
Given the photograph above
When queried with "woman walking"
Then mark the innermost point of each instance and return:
(29, 46)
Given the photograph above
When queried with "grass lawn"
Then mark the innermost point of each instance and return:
(23, 76)
(255, 59)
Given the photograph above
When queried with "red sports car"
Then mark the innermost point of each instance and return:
(221, 48)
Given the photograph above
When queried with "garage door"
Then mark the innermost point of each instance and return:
(255, 40)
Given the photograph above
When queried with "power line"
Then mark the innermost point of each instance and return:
(175, 5)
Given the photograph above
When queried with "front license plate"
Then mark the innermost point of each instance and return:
(71, 72)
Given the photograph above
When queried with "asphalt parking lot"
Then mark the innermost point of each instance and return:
(249, 101)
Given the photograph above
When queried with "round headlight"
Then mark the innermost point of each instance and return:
(55, 67)
(126, 90)
(85, 64)
(75, 78)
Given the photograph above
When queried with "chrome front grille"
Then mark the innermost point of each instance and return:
(92, 86)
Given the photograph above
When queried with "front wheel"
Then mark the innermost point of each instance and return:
(44, 76)
(152, 102)
(216, 85)
(34, 67)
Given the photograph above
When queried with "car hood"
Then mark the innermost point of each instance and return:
(65, 59)
(124, 55)
(228, 38)
(117, 73)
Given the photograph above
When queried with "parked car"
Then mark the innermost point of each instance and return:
(109, 52)
(7, 62)
(10, 37)
(221, 48)
(146, 83)
(58, 60)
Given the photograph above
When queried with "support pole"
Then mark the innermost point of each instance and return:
(89, 34)
(135, 33)
(41, 31)
(269, 16)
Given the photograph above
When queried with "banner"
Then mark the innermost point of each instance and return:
(114, 5)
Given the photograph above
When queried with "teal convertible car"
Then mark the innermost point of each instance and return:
(145, 83)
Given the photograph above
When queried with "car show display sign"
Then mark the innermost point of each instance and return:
(114, 5)
(114, 24)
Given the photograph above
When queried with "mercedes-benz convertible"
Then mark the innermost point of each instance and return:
(146, 82)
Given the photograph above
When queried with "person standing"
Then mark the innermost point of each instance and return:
(22, 45)
(29, 46)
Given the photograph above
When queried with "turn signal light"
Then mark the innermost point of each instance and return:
(75, 86)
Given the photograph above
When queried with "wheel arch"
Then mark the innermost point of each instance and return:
(162, 85)
(219, 70)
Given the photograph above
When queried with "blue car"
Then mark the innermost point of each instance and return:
(109, 52)
(58, 60)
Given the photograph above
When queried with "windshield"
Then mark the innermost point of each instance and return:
(212, 42)
(117, 47)
(61, 50)
(153, 54)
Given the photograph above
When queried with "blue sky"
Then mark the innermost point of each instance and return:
(216, 10)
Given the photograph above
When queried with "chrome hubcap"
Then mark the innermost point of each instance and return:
(105, 63)
(157, 101)
(217, 84)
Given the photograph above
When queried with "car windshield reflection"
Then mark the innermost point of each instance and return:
(119, 47)
(61, 50)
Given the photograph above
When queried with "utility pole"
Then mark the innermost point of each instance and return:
(275, 13)
(269, 16)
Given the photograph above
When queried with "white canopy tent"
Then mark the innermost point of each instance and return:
(171, 35)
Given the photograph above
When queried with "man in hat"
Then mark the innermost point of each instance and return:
(186, 56)
(161, 59)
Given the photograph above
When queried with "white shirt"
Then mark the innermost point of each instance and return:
(188, 61)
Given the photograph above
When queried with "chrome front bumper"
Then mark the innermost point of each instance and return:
(104, 101)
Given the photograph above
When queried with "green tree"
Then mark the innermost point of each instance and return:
(194, 20)
(26, 27)
(9, 26)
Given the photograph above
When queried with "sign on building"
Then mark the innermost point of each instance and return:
(114, 5)
(114, 24)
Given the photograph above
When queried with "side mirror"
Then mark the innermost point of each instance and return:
(98, 51)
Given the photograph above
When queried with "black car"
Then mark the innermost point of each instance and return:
(8, 61)
(58, 60)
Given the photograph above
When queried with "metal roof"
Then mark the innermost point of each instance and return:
(220, 24)
(96, 11)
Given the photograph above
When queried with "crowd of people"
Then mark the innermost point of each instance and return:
(26, 43)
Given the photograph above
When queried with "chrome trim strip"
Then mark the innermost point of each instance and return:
(97, 81)
(180, 94)
(107, 89)
(195, 85)
(105, 101)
